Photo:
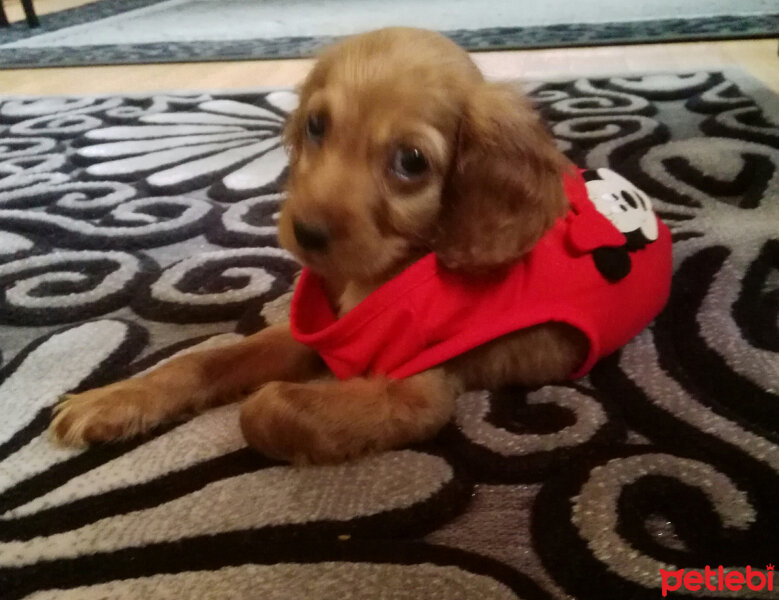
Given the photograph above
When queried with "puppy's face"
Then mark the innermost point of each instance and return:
(399, 147)
(371, 146)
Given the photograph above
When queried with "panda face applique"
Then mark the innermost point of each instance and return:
(629, 210)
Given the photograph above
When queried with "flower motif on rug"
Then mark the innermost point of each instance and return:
(233, 144)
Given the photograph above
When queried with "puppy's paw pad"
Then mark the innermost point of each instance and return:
(105, 414)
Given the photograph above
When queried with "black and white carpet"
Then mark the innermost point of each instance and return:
(147, 31)
(132, 228)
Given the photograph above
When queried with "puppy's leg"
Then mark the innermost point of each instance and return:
(183, 385)
(331, 421)
(538, 355)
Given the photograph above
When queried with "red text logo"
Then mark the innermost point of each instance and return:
(694, 580)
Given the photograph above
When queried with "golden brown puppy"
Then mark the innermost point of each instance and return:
(398, 148)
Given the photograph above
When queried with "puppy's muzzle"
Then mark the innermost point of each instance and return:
(311, 237)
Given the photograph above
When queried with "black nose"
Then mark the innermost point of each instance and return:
(310, 237)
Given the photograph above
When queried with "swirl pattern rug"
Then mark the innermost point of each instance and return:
(134, 228)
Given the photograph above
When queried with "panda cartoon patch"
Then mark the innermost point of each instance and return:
(629, 210)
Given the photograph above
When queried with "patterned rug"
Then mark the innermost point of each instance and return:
(133, 228)
(150, 31)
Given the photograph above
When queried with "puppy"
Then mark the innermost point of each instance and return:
(399, 150)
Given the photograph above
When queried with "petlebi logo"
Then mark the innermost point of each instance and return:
(719, 579)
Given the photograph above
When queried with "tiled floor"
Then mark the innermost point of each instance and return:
(759, 57)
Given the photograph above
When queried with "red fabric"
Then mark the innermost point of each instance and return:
(427, 315)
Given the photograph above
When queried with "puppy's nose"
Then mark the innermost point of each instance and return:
(310, 237)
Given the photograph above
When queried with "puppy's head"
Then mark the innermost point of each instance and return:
(400, 147)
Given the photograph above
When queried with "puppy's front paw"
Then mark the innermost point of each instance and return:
(291, 422)
(117, 411)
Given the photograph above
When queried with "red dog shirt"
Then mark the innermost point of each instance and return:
(604, 268)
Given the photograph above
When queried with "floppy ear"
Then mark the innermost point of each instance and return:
(505, 186)
(291, 132)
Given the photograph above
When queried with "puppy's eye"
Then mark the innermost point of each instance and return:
(316, 126)
(409, 163)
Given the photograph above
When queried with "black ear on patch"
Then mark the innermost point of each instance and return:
(636, 240)
(613, 263)
(590, 175)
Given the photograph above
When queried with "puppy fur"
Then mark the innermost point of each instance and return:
(490, 187)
